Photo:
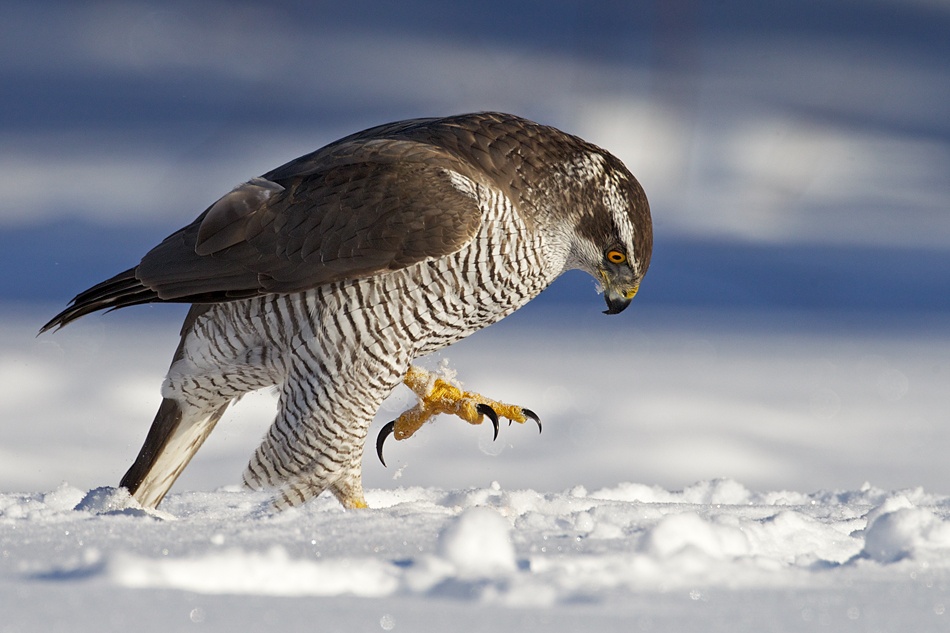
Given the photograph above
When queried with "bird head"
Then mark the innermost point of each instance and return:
(612, 236)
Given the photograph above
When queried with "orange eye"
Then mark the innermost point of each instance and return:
(616, 257)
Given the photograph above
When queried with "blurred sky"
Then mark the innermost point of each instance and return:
(796, 155)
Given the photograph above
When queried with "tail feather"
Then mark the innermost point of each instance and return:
(175, 436)
(125, 289)
(163, 427)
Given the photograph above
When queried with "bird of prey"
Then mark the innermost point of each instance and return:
(329, 275)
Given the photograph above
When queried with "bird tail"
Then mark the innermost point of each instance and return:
(123, 290)
(175, 436)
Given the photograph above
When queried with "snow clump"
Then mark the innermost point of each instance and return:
(478, 543)
(898, 530)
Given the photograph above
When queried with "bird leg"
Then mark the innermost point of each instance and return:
(438, 395)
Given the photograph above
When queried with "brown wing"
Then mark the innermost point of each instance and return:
(359, 211)
(356, 208)
(377, 200)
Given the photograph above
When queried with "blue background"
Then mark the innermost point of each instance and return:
(195, 97)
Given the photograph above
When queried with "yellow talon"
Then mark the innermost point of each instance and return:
(437, 395)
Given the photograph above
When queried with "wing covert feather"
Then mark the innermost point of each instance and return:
(352, 212)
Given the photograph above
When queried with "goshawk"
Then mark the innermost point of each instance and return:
(329, 275)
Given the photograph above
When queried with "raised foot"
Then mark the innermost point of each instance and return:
(440, 396)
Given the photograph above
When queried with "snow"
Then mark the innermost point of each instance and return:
(897, 530)
(477, 544)
(506, 544)
(839, 558)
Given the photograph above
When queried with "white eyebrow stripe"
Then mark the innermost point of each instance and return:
(619, 207)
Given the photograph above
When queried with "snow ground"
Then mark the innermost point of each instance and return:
(728, 478)
(713, 557)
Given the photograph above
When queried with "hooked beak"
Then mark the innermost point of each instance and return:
(618, 298)
(616, 302)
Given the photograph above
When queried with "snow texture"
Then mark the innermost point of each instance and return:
(713, 555)
(839, 558)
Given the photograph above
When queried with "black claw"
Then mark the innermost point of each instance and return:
(484, 409)
(384, 432)
(528, 413)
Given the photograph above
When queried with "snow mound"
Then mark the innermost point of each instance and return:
(689, 533)
(39, 507)
(478, 544)
(108, 500)
(898, 530)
